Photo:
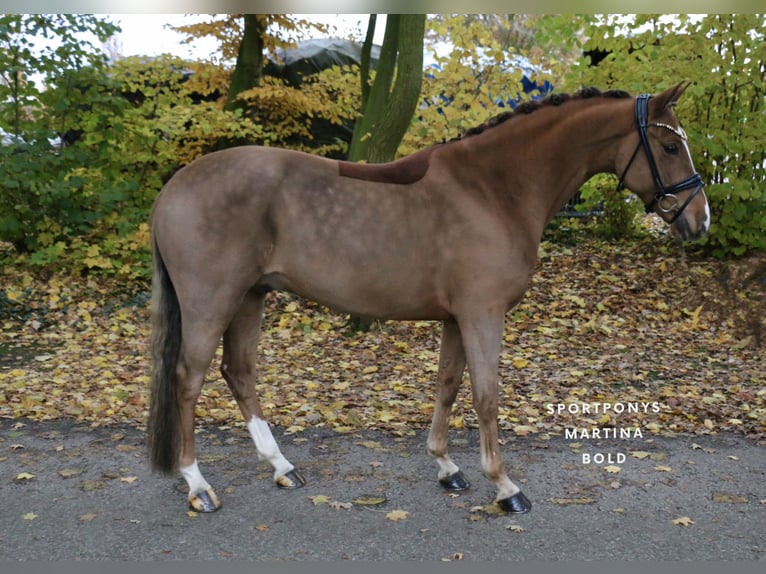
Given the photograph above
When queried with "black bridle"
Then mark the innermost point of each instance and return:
(665, 198)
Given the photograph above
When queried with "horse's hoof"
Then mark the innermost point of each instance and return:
(516, 504)
(290, 480)
(455, 481)
(205, 501)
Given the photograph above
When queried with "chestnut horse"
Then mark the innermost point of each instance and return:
(449, 233)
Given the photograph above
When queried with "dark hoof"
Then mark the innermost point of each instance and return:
(455, 482)
(516, 504)
(205, 501)
(292, 479)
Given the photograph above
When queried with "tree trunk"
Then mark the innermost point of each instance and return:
(393, 96)
(388, 105)
(249, 67)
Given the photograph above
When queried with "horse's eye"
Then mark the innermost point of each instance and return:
(672, 148)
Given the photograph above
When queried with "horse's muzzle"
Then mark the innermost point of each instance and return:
(688, 228)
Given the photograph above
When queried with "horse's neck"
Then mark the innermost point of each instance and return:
(541, 160)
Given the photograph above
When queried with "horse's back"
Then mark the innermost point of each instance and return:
(245, 170)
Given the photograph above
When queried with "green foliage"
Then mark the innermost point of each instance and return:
(84, 204)
(482, 69)
(286, 115)
(723, 111)
(36, 186)
(619, 211)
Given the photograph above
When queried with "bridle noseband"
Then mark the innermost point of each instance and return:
(665, 198)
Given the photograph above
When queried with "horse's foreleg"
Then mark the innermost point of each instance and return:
(240, 342)
(482, 341)
(448, 379)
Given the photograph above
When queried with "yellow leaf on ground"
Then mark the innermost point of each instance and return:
(612, 468)
(683, 521)
(640, 454)
(370, 500)
(519, 362)
(29, 516)
(25, 476)
(395, 515)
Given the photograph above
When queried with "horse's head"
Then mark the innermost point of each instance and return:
(656, 164)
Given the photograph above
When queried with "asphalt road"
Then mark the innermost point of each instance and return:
(76, 493)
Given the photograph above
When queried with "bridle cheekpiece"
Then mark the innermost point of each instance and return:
(665, 198)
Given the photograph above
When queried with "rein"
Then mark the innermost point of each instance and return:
(665, 198)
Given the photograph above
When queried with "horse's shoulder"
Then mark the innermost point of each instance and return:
(406, 170)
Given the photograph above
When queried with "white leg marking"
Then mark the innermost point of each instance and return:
(506, 489)
(194, 479)
(446, 466)
(267, 447)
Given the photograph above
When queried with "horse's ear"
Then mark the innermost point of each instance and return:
(667, 99)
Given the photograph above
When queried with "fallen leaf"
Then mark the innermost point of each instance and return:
(89, 485)
(519, 362)
(340, 505)
(395, 515)
(370, 500)
(614, 469)
(683, 521)
(262, 528)
(319, 499)
(87, 517)
(128, 479)
(29, 516)
(514, 528)
(662, 468)
(567, 501)
(22, 476)
(729, 498)
(640, 454)
(455, 556)
(70, 472)
(190, 514)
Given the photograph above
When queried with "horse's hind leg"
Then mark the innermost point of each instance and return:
(240, 342)
(198, 349)
(448, 379)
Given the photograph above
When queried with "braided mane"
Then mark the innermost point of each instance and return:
(530, 106)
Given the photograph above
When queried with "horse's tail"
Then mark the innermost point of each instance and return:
(163, 429)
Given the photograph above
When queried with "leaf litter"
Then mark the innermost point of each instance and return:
(624, 322)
